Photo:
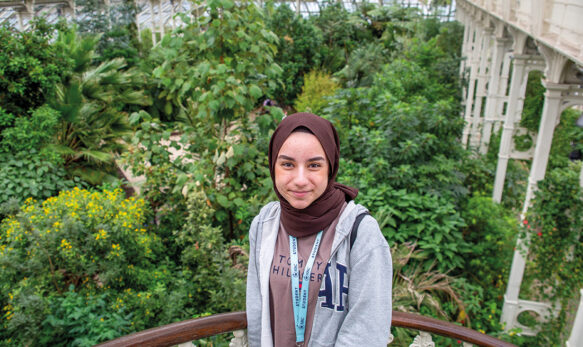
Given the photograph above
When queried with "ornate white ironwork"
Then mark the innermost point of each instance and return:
(423, 340)
(240, 339)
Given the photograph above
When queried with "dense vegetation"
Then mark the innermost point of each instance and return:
(86, 256)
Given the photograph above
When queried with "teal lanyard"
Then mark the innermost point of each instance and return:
(300, 289)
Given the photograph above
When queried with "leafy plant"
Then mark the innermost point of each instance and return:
(363, 63)
(31, 133)
(91, 103)
(79, 320)
(91, 240)
(317, 86)
(228, 56)
(204, 252)
(30, 67)
(427, 292)
(298, 50)
(553, 230)
(29, 175)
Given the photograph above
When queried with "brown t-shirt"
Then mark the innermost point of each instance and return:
(280, 298)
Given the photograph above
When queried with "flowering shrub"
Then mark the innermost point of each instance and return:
(93, 241)
(79, 238)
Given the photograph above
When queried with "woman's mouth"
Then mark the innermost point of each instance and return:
(299, 194)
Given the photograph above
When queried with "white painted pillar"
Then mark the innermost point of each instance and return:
(137, 19)
(152, 22)
(466, 50)
(513, 112)
(474, 65)
(576, 338)
(482, 79)
(550, 117)
(549, 120)
(494, 96)
(503, 89)
(466, 45)
(161, 19)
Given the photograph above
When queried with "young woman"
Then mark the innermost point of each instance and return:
(310, 283)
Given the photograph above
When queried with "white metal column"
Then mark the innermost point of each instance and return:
(494, 96)
(513, 112)
(474, 62)
(512, 304)
(482, 78)
(503, 90)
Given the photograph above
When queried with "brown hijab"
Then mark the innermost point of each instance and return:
(325, 209)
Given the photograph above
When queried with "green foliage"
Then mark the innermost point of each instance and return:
(93, 103)
(28, 174)
(491, 230)
(31, 133)
(235, 176)
(342, 32)
(78, 320)
(401, 149)
(93, 241)
(30, 67)
(362, 65)
(317, 86)
(428, 220)
(298, 50)
(408, 142)
(426, 292)
(228, 56)
(553, 229)
(392, 24)
(533, 101)
(567, 138)
(115, 22)
(204, 252)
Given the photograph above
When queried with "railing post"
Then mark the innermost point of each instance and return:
(423, 340)
(240, 339)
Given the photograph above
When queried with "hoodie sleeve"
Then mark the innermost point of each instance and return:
(253, 294)
(368, 321)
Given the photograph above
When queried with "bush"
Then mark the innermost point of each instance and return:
(220, 286)
(317, 86)
(92, 240)
(29, 175)
(298, 51)
(31, 67)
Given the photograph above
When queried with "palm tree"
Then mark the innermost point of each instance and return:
(94, 103)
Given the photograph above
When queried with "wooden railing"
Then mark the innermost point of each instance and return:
(194, 329)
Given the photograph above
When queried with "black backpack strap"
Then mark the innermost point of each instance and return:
(354, 231)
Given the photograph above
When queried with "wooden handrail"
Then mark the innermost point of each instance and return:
(198, 328)
(447, 329)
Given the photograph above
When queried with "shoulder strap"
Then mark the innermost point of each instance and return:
(354, 231)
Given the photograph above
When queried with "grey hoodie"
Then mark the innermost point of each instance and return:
(354, 303)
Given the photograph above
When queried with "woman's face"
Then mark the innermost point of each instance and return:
(301, 170)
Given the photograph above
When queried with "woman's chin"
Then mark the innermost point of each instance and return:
(299, 204)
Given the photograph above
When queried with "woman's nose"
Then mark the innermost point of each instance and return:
(301, 176)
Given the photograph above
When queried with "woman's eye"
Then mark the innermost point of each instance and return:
(286, 164)
(315, 165)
